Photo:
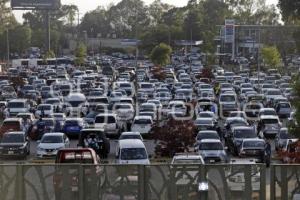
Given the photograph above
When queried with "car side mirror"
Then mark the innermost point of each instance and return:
(39, 141)
(150, 156)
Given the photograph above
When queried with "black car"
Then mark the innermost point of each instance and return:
(239, 133)
(95, 139)
(14, 144)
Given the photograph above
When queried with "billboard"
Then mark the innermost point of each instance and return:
(229, 30)
(35, 4)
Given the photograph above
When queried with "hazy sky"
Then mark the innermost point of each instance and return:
(87, 5)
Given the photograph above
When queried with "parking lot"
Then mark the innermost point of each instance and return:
(237, 113)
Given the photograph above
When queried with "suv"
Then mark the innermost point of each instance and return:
(12, 124)
(14, 144)
(212, 151)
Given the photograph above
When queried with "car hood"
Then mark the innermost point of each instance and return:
(207, 153)
(11, 144)
(51, 145)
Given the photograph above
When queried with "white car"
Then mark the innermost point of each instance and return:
(142, 124)
(108, 122)
(50, 143)
(45, 110)
(124, 111)
(132, 151)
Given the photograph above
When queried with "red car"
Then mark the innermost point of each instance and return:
(66, 179)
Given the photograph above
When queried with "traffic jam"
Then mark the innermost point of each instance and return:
(108, 109)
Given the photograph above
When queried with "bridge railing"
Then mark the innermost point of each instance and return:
(149, 182)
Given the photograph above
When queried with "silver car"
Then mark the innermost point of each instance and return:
(212, 151)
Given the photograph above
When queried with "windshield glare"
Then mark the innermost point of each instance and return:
(210, 146)
(12, 138)
(52, 139)
(133, 154)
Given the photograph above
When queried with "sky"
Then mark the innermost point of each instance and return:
(88, 5)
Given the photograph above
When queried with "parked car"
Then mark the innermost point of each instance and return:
(11, 124)
(212, 151)
(50, 143)
(131, 151)
(73, 126)
(253, 148)
(14, 144)
(142, 124)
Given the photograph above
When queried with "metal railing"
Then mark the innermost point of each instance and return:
(149, 182)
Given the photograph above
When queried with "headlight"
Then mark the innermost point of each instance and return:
(39, 149)
(203, 186)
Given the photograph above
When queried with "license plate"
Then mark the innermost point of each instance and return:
(10, 152)
(211, 161)
(74, 188)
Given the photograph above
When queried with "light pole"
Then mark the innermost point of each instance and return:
(258, 55)
(7, 45)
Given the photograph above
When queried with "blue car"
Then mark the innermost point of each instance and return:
(73, 126)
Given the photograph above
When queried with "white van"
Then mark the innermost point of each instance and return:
(131, 151)
(142, 124)
(16, 106)
(107, 122)
(76, 102)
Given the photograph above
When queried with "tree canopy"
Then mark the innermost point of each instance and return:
(160, 55)
(271, 56)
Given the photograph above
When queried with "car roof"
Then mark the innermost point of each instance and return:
(16, 132)
(142, 117)
(131, 133)
(131, 143)
(269, 117)
(210, 141)
(53, 134)
(12, 119)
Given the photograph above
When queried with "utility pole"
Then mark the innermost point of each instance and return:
(258, 63)
(7, 46)
(48, 47)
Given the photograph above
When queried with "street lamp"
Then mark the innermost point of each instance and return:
(7, 44)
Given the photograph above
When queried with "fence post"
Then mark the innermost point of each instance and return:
(141, 180)
(20, 182)
(284, 182)
(262, 195)
(248, 182)
(272, 182)
(80, 182)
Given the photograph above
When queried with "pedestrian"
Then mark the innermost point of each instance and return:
(268, 152)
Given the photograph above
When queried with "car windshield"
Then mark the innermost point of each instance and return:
(203, 122)
(72, 123)
(124, 137)
(49, 122)
(12, 138)
(273, 92)
(105, 119)
(284, 135)
(133, 154)
(210, 146)
(142, 121)
(44, 107)
(244, 133)
(254, 144)
(15, 105)
(227, 98)
(11, 123)
(207, 136)
(270, 121)
(75, 103)
(269, 112)
(52, 139)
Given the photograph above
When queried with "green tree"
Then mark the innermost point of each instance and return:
(160, 54)
(271, 56)
(289, 9)
(80, 53)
